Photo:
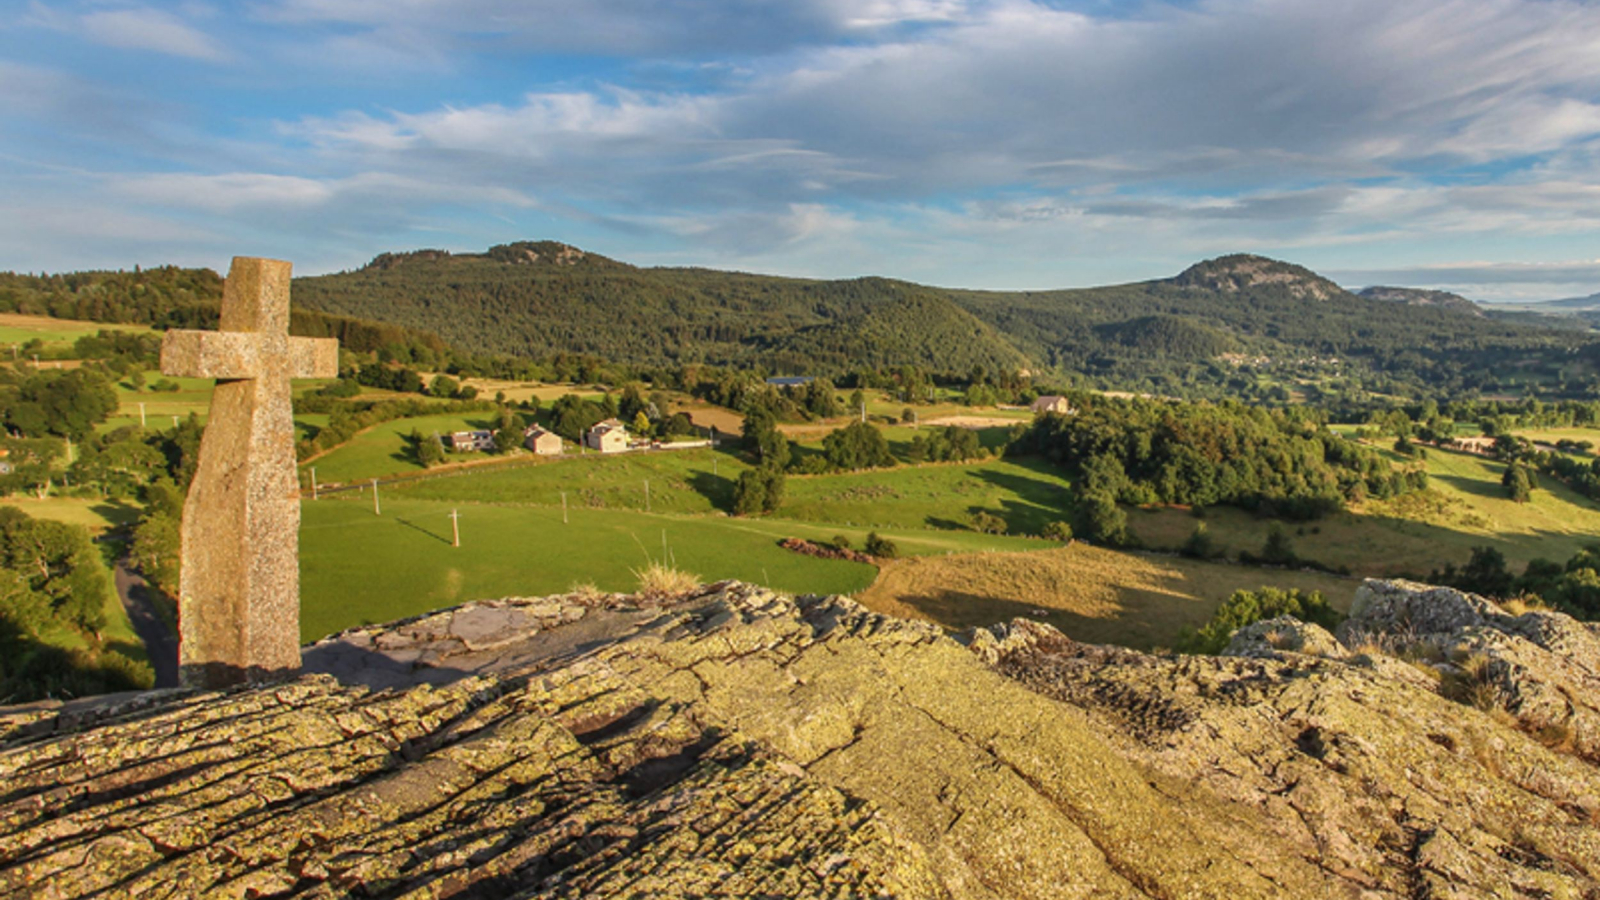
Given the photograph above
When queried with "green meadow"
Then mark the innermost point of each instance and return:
(56, 334)
(1027, 494)
(357, 566)
(381, 451)
(1463, 507)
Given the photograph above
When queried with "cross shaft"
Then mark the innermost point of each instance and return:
(239, 591)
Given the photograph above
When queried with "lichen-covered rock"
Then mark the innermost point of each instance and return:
(745, 743)
(1541, 668)
(1284, 634)
(1376, 767)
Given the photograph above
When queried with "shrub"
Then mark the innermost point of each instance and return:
(987, 523)
(1278, 550)
(1057, 531)
(1245, 607)
(880, 546)
(842, 542)
(1200, 544)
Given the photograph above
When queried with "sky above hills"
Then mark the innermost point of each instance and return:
(1432, 143)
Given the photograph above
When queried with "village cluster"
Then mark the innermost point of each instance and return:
(609, 436)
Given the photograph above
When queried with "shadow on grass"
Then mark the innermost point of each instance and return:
(1475, 486)
(1037, 502)
(415, 527)
(117, 512)
(717, 489)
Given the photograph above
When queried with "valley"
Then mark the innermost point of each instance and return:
(968, 531)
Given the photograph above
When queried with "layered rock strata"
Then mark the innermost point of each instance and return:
(743, 743)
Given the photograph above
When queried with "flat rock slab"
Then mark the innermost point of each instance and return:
(488, 636)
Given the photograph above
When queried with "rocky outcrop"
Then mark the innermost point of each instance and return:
(1242, 271)
(743, 743)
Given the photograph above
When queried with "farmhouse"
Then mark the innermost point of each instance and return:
(1053, 403)
(540, 441)
(607, 437)
(1480, 444)
(461, 441)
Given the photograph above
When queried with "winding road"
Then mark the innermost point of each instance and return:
(139, 599)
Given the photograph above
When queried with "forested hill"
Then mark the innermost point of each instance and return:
(1237, 325)
(175, 297)
(541, 297)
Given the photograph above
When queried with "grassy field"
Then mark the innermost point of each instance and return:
(681, 481)
(380, 451)
(358, 567)
(1026, 493)
(95, 515)
(57, 334)
(1091, 593)
(1464, 507)
(1552, 435)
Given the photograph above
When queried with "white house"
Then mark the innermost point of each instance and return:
(470, 440)
(540, 441)
(1053, 403)
(608, 437)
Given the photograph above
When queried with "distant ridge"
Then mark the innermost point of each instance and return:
(1590, 303)
(537, 298)
(1421, 297)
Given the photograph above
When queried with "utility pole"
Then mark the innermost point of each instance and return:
(563, 507)
(313, 482)
(647, 495)
(455, 525)
(863, 409)
(376, 509)
(174, 423)
(141, 415)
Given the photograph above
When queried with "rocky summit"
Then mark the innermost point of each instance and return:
(739, 742)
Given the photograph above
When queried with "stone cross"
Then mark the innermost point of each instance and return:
(239, 592)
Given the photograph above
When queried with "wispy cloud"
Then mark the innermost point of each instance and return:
(131, 28)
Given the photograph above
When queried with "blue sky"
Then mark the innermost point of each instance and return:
(1007, 144)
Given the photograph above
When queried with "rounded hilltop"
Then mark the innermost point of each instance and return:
(517, 253)
(1243, 271)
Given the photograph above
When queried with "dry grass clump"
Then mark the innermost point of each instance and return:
(659, 581)
(1527, 603)
(585, 591)
(1472, 682)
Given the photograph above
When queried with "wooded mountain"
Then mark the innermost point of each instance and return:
(1208, 331)
(536, 298)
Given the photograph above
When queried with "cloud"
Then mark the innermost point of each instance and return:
(613, 27)
(1018, 141)
(1480, 273)
(1226, 94)
(132, 28)
(366, 196)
